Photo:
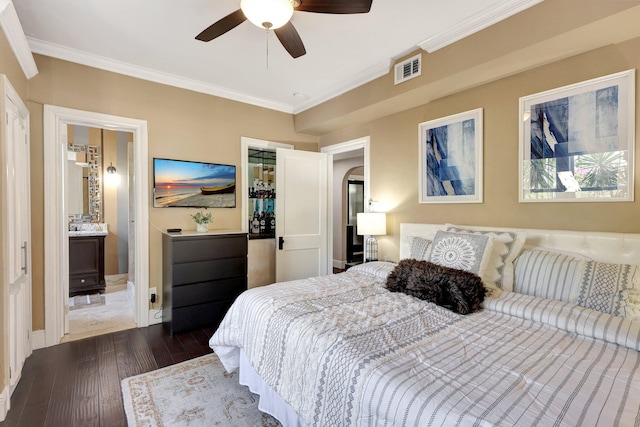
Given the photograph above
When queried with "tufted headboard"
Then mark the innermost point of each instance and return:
(619, 248)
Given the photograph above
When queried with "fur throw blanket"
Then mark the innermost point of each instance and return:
(457, 290)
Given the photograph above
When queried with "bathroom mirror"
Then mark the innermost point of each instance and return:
(83, 182)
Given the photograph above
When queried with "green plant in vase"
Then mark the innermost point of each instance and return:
(202, 221)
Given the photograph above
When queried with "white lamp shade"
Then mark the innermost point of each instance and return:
(270, 14)
(372, 223)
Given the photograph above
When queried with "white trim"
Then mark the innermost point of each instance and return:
(56, 235)
(379, 70)
(502, 10)
(5, 403)
(352, 145)
(245, 144)
(15, 36)
(155, 316)
(79, 57)
(363, 143)
(38, 339)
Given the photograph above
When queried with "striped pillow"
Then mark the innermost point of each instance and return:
(380, 269)
(605, 287)
(419, 248)
(545, 274)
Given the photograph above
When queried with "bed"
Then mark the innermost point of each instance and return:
(556, 343)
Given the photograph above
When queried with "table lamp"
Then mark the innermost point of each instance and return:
(371, 224)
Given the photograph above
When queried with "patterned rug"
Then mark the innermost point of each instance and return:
(84, 301)
(198, 392)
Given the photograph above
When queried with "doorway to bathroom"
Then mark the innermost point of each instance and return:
(56, 128)
(100, 207)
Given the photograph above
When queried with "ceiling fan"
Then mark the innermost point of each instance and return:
(276, 15)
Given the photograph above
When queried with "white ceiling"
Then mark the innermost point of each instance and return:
(154, 40)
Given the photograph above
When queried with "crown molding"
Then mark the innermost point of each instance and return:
(80, 57)
(357, 80)
(488, 17)
(15, 36)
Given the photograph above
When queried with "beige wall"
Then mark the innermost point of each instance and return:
(182, 125)
(8, 66)
(109, 203)
(394, 151)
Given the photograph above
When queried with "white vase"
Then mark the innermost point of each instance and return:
(202, 228)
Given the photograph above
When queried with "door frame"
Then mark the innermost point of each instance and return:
(245, 144)
(56, 236)
(363, 143)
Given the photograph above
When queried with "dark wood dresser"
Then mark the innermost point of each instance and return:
(86, 264)
(202, 275)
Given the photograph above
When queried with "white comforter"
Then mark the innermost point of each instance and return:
(343, 351)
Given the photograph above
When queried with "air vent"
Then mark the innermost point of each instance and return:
(406, 70)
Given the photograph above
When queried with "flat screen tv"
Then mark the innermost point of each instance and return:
(187, 184)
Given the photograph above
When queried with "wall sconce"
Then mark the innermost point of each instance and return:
(111, 177)
(371, 224)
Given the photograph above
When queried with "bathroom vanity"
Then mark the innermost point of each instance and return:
(86, 263)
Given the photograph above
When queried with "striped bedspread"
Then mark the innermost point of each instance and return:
(343, 351)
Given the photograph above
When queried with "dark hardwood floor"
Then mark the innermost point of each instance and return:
(78, 383)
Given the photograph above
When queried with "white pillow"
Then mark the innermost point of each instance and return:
(380, 269)
(468, 252)
(548, 274)
(419, 248)
(506, 247)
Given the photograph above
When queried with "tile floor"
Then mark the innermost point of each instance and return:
(116, 314)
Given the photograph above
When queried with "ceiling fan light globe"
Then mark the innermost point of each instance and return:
(267, 13)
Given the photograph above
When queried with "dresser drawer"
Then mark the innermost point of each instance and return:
(204, 271)
(194, 316)
(198, 293)
(209, 248)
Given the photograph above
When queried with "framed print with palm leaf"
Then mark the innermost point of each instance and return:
(577, 142)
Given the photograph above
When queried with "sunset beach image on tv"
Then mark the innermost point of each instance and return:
(188, 184)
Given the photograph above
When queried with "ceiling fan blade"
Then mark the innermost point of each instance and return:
(217, 29)
(335, 6)
(290, 39)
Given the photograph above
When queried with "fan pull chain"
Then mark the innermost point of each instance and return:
(267, 33)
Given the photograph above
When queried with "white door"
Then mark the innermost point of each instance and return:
(302, 217)
(16, 225)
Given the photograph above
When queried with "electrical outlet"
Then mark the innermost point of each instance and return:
(153, 294)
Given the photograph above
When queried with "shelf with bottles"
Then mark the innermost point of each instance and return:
(262, 220)
(262, 190)
(262, 194)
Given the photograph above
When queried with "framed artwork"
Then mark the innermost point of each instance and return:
(450, 159)
(577, 142)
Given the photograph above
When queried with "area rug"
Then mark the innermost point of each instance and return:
(198, 392)
(84, 301)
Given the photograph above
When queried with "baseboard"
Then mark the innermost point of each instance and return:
(5, 403)
(38, 339)
(131, 291)
(155, 316)
(339, 264)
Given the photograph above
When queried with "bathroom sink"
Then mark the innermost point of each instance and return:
(89, 229)
(87, 233)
